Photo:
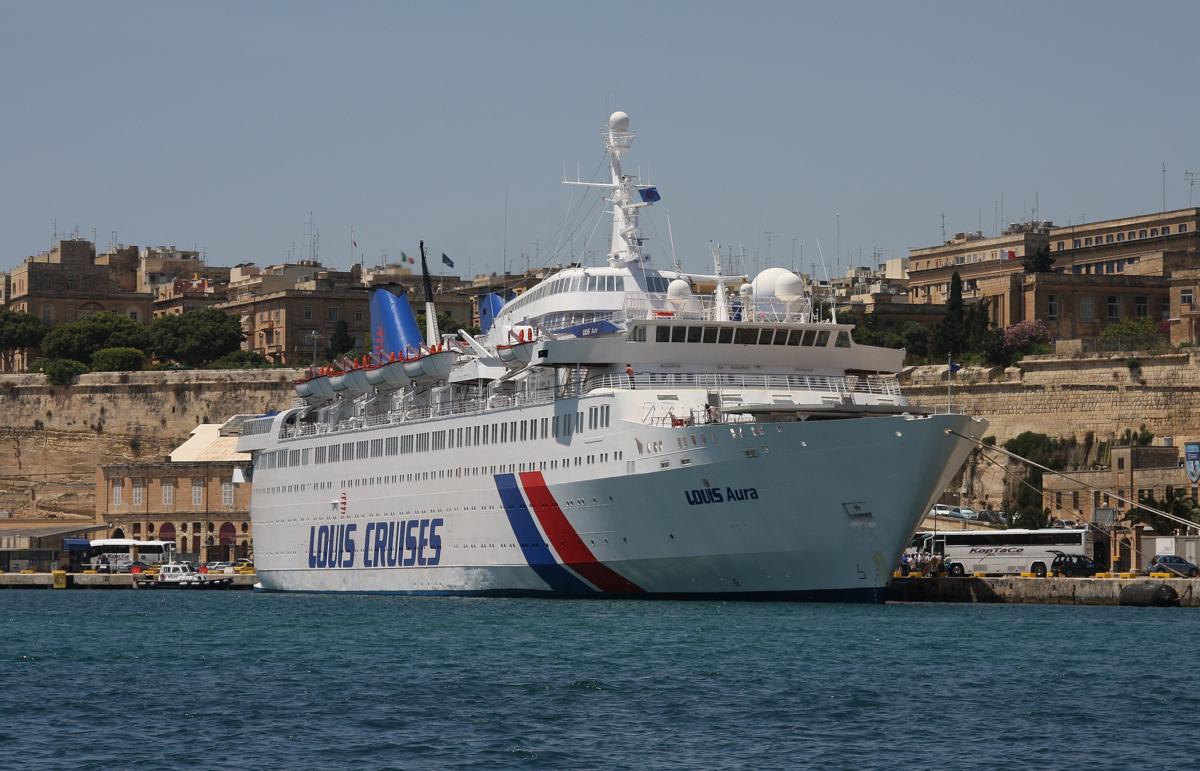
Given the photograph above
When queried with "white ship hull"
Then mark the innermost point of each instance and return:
(817, 510)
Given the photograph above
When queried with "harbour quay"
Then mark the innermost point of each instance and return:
(1141, 590)
(62, 580)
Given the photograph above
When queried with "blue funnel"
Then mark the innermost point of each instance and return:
(393, 325)
(489, 306)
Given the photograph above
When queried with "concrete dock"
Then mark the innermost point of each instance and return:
(1038, 591)
(96, 581)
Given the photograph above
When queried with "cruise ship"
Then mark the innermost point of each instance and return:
(614, 431)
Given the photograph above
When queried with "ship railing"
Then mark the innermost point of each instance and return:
(949, 409)
(657, 305)
(258, 426)
(845, 385)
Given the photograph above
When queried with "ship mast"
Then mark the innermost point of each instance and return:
(625, 250)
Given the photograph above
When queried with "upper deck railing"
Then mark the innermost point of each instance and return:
(844, 388)
(643, 305)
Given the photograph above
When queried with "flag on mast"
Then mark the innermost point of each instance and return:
(447, 261)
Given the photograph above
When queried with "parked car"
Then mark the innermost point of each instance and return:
(942, 510)
(217, 567)
(137, 566)
(1169, 563)
(966, 512)
(994, 517)
(1073, 566)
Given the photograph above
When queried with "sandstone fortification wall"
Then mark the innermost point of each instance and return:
(1102, 394)
(53, 437)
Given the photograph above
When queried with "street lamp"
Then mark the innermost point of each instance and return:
(312, 339)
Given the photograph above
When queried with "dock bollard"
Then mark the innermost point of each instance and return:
(60, 579)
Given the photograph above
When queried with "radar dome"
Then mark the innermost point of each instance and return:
(678, 292)
(618, 121)
(745, 290)
(789, 288)
(765, 283)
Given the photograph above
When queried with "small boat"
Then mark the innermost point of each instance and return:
(180, 575)
(388, 376)
(518, 354)
(431, 367)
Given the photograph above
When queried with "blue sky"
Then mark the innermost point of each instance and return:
(223, 124)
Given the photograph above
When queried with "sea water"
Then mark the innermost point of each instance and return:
(125, 679)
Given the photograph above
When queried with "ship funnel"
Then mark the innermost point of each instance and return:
(393, 325)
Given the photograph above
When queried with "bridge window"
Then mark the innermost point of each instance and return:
(810, 337)
(710, 334)
(662, 335)
(746, 336)
(794, 336)
(725, 335)
(823, 338)
(678, 334)
(766, 336)
(694, 334)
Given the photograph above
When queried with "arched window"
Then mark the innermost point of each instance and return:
(228, 534)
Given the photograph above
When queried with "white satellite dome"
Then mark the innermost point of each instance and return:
(618, 121)
(745, 290)
(789, 288)
(767, 283)
(678, 292)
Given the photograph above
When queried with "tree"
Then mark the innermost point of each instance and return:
(1025, 498)
(1175, 503)
(977, 327)
(917, 339)
(240, 360)
(197, 337)
(78, 340)
(1132, 335)
(447, 324)
(341, 342)
(118, 360)
(59, 371)
(951, 333)
(18, 331)
(1041, 261)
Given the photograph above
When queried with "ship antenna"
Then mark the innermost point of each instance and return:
(824, 267)
(671, 235)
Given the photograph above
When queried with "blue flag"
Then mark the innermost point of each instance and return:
(955, 366)
(447, 261)
(649, 195)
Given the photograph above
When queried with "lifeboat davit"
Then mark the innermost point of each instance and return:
(389, 375)
(431, 367)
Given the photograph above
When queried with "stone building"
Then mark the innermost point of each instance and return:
(71, 282)
(189, 498)
(1133, 473)
(1150, 244)
(289, 312)
(1073, 306)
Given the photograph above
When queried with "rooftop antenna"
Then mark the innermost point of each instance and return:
(770, 236)
(1191, 177)
(1164, 185)
(943, 227)
(504, 249)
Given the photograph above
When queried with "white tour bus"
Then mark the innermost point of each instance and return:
(114, 555)
(1000, 552)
